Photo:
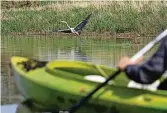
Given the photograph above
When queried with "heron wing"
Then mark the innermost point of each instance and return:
(82, 24)
(65, 31)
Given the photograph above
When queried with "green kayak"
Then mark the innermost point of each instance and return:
(60, 84)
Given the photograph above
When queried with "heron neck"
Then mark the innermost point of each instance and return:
(67, 25)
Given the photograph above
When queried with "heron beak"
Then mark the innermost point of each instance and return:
(63, 21)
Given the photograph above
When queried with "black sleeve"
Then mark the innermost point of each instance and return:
(152, 69)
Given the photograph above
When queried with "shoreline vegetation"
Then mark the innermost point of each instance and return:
(129, 18)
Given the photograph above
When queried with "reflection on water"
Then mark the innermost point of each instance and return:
(89, 49)
(15, 108)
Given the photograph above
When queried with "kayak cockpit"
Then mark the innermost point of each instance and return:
(76, 70)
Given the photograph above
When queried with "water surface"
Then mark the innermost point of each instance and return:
(83, 48)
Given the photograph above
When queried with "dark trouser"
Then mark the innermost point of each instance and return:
(163, 85)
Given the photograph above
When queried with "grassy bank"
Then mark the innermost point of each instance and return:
(116, 17)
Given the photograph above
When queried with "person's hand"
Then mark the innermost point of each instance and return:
(125, 61)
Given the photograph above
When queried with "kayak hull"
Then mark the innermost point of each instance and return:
(56, 93)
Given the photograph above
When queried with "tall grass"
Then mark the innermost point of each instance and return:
(144, 17)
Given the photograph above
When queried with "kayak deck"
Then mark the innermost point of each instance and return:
(50, 81)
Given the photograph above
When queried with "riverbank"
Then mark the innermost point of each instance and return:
(143, 18)
(131, 37)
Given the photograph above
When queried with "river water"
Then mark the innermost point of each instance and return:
(98, 50)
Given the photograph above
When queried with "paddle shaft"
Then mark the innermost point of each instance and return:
(149, 45)
(136, 56)
(74, 108)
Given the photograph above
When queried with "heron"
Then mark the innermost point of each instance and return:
(78, 28)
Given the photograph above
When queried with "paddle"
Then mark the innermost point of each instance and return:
(136, 56)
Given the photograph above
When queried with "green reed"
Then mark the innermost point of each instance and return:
(116, 17)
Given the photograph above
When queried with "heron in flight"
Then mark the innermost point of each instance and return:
(76, 30)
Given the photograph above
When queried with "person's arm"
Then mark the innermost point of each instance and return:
(151, 70)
